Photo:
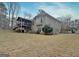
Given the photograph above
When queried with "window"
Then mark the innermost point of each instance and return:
(41, 20)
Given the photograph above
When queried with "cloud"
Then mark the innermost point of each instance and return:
(59, 10)
(55, 9)
(27, 11)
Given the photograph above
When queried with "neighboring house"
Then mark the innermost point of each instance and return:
(23, 24)
(68, 24)
(3, 20)
(42, 19)
(75, 23)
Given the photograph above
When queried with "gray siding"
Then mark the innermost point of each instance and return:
(46, 20)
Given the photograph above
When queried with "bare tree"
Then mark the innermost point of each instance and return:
(9, 10)
(68, 20)
(13, 8)
(3, 14)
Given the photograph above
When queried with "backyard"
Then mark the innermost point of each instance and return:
(36, 45)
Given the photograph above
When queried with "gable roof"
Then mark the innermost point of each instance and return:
(43, 12)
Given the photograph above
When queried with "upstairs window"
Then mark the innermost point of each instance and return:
(41, 20)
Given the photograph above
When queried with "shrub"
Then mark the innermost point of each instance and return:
(73, 30)
(47, 30)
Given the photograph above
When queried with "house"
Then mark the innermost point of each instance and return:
(75, 23)
(23, 25)
(42, 19)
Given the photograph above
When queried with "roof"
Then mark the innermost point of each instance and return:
(47, 15)
(22, 19)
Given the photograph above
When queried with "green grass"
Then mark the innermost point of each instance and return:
(26, 44)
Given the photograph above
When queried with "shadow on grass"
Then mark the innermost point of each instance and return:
(4, 55)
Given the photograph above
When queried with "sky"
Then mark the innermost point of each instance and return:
(55, 9)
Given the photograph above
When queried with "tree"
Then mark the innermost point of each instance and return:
(47, 30)
(13, 11)
(3, 14)
(65, 23)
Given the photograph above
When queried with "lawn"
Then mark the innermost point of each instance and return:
(32, 45)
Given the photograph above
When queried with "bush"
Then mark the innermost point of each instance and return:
(73, 30)
(47, 30)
